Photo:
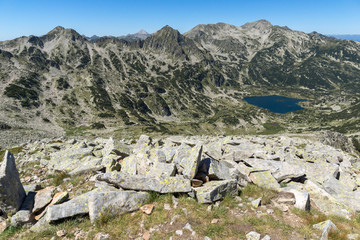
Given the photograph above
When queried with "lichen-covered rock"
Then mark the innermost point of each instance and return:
(162, 170)
(279, 170)
(74, 207)
(70, 159)
(128, 165)
(326, 203)
(115, 202)
(187, 160)
(325, 227)
(147, 183)
(215, 169)
(12, 192)
(215, 190)
(87, 164)
(264, 179)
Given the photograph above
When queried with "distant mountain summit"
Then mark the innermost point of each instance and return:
(140, 35)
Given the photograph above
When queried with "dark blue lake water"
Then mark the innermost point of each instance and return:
(275, 103)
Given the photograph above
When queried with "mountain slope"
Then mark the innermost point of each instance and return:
(171, 82)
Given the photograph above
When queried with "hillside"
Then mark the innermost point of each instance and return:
(172, 83)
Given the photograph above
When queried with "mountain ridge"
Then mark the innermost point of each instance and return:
(170, 81)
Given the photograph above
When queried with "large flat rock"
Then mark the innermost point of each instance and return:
(12, 192)
(147, 183)
(75, 207)
(115, 203)
(264, 179)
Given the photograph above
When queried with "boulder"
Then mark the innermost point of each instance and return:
(279, 170)
(118, 148)
(325, 201)
(215, 169)
(69, 158)
(342, 193)
(147, 183)
(325, 227)
(187, 160)
(43, 198)
(253, 236)
(87, 164)
(264, 179)
(12, 193)
(302, 198)
(128, 165)
(3, 224)
(256, 203)
(21, 218)
(162, 169)
(115, 203)
(75, 207)
(215, 190)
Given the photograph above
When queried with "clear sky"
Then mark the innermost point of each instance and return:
(118, 17)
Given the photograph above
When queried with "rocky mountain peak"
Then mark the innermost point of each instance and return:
(143, 32)
(260, 25)
(65, 32)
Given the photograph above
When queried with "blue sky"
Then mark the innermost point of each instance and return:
(111, 17)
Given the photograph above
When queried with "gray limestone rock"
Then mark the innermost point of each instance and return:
(32, 187)
(253, 236)
(146, 183)
(128, 165)
(115, 202)
(327, 203)
(3, 224)
(162, 169)
(43, 198)
(21, 218)
(12, 193)
(325, 227)
(342, 193)
(75, 207)
(69, 159)
(264, 179)
(216, 170)
(87, 164)
(215, 190)
(302, 198)
(280, 170)
(256, 203)
(187, 160)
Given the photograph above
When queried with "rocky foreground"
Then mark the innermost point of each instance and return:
(118, 177)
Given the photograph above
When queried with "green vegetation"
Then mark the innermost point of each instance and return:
(272, 128)
(15, 151)
(57, 178)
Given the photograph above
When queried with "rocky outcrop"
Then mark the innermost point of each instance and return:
(146, 183)
(115, 203)
(215, 190)
(300, 170)
(12, 192)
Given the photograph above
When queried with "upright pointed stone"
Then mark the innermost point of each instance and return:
(12, 192)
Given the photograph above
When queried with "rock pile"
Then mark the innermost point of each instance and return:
(205, 168)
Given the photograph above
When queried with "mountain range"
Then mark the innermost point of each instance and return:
(168, 82)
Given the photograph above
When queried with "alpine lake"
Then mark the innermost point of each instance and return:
(275, 103)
